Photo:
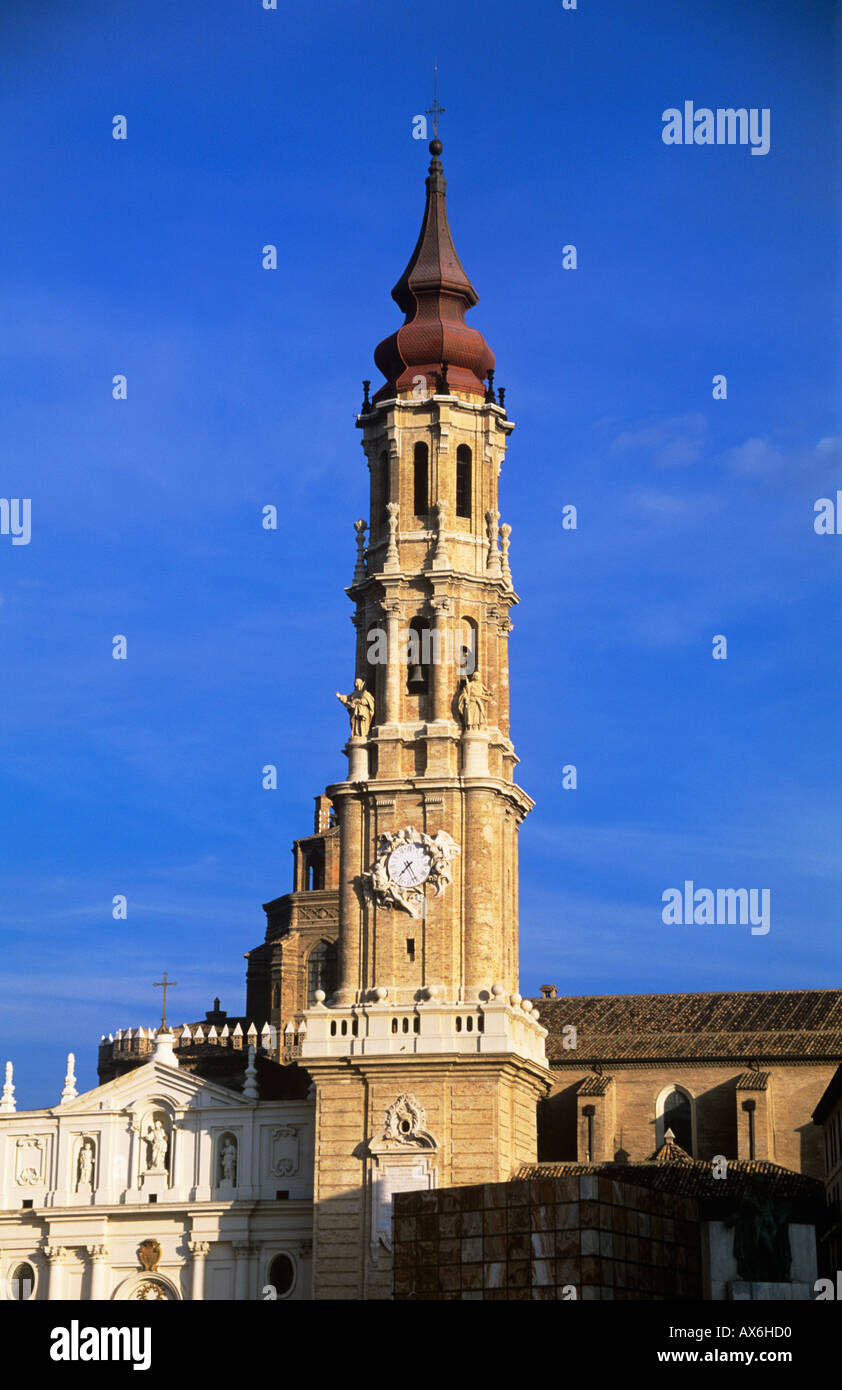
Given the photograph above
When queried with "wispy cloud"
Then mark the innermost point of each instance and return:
(676, 442)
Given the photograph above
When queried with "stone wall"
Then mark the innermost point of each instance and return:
(546, 1239)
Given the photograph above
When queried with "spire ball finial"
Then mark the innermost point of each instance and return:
(436, 148)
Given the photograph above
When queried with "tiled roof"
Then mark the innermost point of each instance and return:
(691, 1179)
(753, 1081)
(746, 1024)
(594, 1085)
(670, 1152)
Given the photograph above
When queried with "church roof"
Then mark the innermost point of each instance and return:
(670, 1152)
(594, 1085)
(434, 293)
(753, 1081)
(744, 1024)
(689, 1177)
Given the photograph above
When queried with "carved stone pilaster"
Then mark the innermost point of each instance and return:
(441, 559)
(244, 1253)
(391, 564)
(56, 1255)
(492, 526)
(359, 567)
(99, 1271)
(505, 542)
(392, 611)
(199, 1250)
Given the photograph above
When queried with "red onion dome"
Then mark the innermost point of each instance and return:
(434, 293)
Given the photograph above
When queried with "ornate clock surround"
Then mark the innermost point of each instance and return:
(380, 888)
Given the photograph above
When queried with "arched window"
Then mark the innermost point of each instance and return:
(420, 486)
(321, 971)
(314, 872)
(374, 656)
(675, 1111)
(22, 1283)
(282, 1275)
(463, 481)
(379, 493)
(466, 647)
(384, 475)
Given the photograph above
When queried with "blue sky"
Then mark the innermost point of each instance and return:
(695, 516)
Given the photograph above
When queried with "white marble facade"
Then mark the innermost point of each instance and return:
(218, 1183)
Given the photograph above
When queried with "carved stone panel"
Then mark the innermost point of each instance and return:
(29, 1162)
(400, 1171)
(285, 1151)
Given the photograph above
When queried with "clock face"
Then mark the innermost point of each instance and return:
(409, 865)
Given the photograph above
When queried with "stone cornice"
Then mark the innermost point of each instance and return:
(583, 1065)
(376, 787)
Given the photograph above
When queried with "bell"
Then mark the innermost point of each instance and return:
(415, 676)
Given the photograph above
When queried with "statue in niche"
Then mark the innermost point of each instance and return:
(228, 1161)
(360, 707)
(85, 1169)
(156, 1138)
(472, 700)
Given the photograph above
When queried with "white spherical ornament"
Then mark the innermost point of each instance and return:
(380, 993)
(515, 1000)
(496, 990)
(319, 996)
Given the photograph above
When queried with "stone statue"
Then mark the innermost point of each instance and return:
(761, 1238)
(472, 701)
(156, 1138)
(229, 1161)
(86, 1165)
(391, 564)
(360, 707)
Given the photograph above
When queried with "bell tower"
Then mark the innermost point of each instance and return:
(428, 1066)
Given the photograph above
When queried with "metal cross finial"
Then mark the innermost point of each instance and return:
(164, 984)
(435, 110)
